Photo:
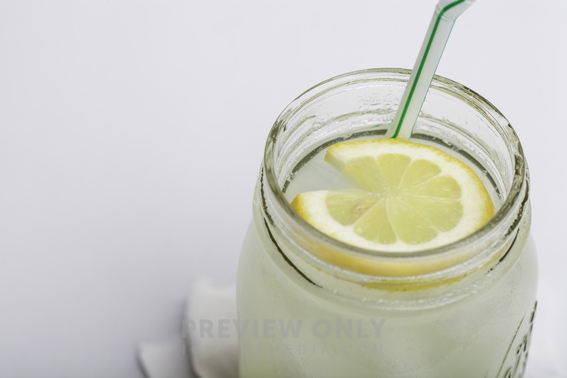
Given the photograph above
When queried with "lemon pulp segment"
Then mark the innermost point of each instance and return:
(410, 197)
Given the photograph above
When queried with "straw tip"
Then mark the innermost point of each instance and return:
(451, 9)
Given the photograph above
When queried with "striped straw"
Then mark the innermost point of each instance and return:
(446, 12)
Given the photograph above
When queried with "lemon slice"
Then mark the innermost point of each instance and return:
(410, 197)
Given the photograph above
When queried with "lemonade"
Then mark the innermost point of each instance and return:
(312, 305)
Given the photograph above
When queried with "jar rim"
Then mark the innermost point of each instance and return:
(502, 216)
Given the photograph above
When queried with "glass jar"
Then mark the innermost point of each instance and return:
(461, 310)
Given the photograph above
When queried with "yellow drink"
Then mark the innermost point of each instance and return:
(460, 310)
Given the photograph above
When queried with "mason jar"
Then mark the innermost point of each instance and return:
(465, 309)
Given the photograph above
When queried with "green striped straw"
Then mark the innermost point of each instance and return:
(446, 12)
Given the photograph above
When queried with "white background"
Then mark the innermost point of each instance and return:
(131, 134)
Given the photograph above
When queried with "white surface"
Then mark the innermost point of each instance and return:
(213, 302)
(162, 359)
(131, 135)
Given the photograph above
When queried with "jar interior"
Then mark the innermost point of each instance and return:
(362, 105)
(453, 118)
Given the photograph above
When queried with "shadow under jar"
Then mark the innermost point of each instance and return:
(463, 310)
